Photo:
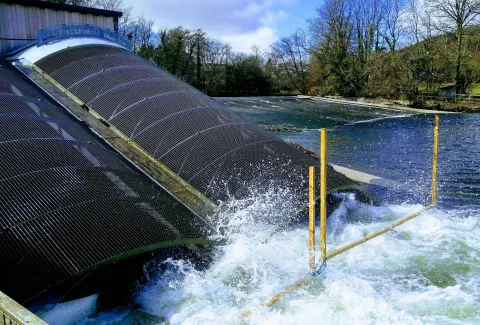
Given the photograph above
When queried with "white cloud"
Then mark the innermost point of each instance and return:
(240, 23)
(261, 37)
(271, 18)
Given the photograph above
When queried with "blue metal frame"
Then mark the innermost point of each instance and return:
(47, 35)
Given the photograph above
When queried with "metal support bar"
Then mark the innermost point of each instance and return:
(435, 160)
(279, 296)
(376, 233)
(292, 287)
(323, 194)
(311, 217)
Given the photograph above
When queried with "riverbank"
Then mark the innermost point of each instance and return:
(397, 105)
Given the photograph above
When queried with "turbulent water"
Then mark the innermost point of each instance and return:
(427, 271)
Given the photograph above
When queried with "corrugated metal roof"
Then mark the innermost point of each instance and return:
(61, 6)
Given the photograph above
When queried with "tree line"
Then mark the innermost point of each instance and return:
(394, 48)
(370, 48)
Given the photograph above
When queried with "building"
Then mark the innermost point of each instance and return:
(20, 20)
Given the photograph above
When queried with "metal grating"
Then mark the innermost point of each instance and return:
(65, 59)
(96, 85)
(129, 95)
(101, 64)
(67, 201)
(207, 144)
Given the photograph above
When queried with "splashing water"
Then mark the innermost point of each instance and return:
(424, 272)
(427, 271)
(421, 273)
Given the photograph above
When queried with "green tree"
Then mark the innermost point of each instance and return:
(457, 15)
(332, 32)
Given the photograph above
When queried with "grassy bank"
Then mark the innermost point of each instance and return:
(450, 106)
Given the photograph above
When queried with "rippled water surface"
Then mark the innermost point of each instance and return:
(427, 271)
(385, 143)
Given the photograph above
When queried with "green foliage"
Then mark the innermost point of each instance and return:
(358, 52)
(354, 48)
(475, 90)
(207, 64)
(389, 75)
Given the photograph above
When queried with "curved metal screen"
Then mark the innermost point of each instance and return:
(207, 144)
(67, 202)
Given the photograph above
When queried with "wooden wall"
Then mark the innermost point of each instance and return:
(22, 22)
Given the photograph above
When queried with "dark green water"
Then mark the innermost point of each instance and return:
(390, 144)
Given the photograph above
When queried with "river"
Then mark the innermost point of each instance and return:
(427, 271)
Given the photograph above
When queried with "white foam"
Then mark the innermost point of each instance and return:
(423, 272)
(71, 312)
(385, 117)
(385, 281)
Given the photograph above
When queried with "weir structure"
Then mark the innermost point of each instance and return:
(106, 157)
(324, 256)
(220, 154)
(69, 204)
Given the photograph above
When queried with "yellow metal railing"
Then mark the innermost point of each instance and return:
(323, 179)
(323, 193)
(323, 212)
(435, 159)
(311, 217)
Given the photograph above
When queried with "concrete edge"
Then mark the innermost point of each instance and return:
(382, 106)
(355, 175)
(17, 312)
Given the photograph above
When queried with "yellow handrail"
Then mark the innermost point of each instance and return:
(435, 159)
(323, 194)
(311, 217)
(323, 177)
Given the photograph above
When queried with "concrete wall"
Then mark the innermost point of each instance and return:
(21, 22)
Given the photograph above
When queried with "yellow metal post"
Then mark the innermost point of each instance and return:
(311, 217)
(435, 159)
(323, 210)
(323, 194)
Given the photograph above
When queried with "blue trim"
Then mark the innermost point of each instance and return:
(56, 33)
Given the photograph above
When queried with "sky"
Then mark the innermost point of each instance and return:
(242, 24)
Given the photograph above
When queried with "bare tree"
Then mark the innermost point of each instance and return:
(113, 5)
(393, 23)
(141, 32)
(414, 21)
(83, 3)
(124, 23)
(367, 16)
(216, 56)
(457, 15)
(420, 26)
(292, 52)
